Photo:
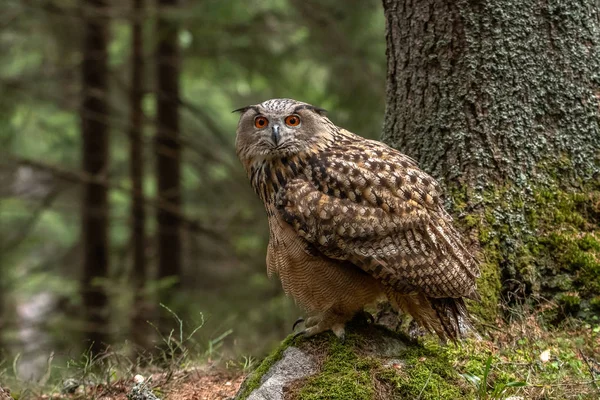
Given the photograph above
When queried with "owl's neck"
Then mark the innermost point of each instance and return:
(269, 175)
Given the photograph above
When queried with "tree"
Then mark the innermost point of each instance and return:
(95, 140)
(136, 172)
(168, 145)
(500, 101)
(2, 308)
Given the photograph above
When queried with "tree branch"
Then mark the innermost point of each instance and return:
(81, 177)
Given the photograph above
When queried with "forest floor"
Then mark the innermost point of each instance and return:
(524, 358)
(196, 384)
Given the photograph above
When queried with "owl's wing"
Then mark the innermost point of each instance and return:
(376, 209)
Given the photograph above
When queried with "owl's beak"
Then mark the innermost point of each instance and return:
(275, 134)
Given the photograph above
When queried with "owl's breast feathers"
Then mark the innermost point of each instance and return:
(268, 177)
(363, 202)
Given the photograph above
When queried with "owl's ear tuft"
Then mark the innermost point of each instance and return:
(244, 109)
(318, 110)
(240, 110)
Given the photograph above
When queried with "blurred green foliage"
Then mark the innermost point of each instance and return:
(238, 52)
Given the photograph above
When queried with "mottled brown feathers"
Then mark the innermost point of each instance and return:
(352, 220)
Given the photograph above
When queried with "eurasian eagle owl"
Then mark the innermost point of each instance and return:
(352, 221)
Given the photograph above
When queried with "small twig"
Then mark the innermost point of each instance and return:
(490, 326)
(28, 226)
(513, 363)
(426, 383)
(590, 368)
(542, 385)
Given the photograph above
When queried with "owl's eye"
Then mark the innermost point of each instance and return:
(261, 122)
(292, 120)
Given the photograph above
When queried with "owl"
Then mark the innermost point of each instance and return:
(352, 222)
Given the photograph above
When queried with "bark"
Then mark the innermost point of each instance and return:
(3, 318)
(136, 171)
(168, 149)
(500, 101)
(494, 89)
(95, 140)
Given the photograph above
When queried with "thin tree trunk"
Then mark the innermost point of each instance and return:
(168, 150)
(95, 135)
(136, 171)
(499, 99)
(3, 319)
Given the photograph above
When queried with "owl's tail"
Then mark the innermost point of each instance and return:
(453, 317)
(447, 317)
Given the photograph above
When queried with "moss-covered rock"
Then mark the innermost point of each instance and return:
(524, 358)
(256, 378)
(371, 363)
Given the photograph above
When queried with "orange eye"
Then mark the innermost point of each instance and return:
(261, 122)
(292, 120)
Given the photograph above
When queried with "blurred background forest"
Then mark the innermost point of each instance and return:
(119, 184)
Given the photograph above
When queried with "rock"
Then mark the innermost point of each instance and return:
(295, 364)
(5, 394)
(70, 386)
(141, 391)
(372, 363)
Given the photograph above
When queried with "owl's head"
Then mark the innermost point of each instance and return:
(280, 128)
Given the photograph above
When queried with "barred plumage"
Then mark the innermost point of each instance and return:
(353, 220)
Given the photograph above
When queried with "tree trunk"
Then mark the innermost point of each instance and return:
(95, 135)
(3, 322)
(499, 100)
(168, 149)
(140, 315)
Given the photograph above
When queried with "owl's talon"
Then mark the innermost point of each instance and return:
(367, 316)
(340, 331)
(312, 321)
(301, 333)
(298, 321)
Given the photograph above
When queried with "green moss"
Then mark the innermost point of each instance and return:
(471, 221)
(570, 304)
(347, 373)
(589, 276)
(425, 373)
(489, 287)
(343, 375)
(543, 242)
(254, 381)
(564, 227)
(588, 243)
(580, 256)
